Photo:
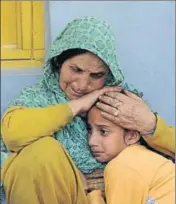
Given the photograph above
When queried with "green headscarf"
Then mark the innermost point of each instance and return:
(95, 36)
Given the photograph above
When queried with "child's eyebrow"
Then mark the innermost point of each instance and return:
(102, 126)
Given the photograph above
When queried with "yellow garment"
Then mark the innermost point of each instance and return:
(22, 127)
(163, 139)
(138, 175)
(95, 197)
(42, 173)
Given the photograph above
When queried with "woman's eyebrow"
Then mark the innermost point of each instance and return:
(101, 72)
(74, 65)
(94, 73)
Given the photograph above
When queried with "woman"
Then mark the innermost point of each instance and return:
(82, 60)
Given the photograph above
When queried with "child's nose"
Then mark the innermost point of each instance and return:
(92, 141)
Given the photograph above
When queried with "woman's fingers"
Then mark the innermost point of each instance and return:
(120, 120)
(110, 101)
(111, 118)
(108, 109)
(120, 97)
(127, 110)
(118, 88)
(123, 96)
(131, 95)
(111, 89)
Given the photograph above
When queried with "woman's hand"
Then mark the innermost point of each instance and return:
(128, 111)
(83, 104)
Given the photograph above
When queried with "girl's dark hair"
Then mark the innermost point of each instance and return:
(56, 62)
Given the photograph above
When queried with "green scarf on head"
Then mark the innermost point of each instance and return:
(95, 36)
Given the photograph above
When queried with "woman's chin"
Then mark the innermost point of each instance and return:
(72, 96)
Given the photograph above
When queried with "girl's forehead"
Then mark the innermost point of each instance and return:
(95, 117)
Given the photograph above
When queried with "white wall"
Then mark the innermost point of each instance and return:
(145, 43)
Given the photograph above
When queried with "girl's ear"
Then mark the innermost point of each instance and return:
(131, 137)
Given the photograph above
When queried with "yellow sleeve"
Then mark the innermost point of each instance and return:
(124, 185)
(95, 197)
(21, 126)
(163, 139)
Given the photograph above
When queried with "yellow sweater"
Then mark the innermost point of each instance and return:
(137, 176)
(21, 126)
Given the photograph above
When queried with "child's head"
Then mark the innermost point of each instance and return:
(107, 139)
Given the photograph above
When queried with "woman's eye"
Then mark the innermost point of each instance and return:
(76, 69)
(97, 76)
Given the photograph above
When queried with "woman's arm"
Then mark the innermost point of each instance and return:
(21, 125)
(163, 138)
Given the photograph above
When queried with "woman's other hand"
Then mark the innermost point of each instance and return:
(83, 104)
(127, 110)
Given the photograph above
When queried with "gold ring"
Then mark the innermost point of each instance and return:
(116, 113)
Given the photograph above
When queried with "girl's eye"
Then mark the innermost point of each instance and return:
(103, 132)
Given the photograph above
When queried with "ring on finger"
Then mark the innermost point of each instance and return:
(116, 112)
(117, 104)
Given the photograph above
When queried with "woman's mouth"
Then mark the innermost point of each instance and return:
(77, 93)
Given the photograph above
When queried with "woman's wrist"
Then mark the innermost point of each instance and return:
(74, 106)
(150, 126)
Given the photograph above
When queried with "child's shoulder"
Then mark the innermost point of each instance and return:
(137, 154)
(141, 160)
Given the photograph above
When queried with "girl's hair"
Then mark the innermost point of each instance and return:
(56, 62)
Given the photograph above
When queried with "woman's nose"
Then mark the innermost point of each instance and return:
(83, 83)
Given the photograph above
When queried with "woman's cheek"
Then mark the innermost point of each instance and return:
(100, 83)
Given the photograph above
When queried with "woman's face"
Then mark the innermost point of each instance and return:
(82, 74)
